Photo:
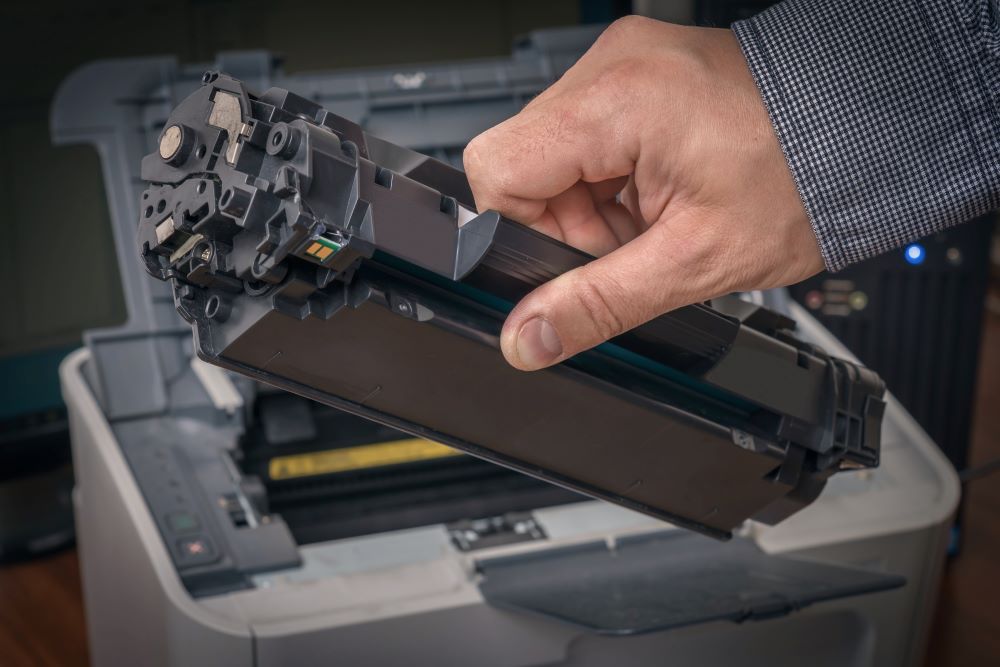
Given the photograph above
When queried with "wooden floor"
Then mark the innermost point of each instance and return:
(41, 609)
(41, 613)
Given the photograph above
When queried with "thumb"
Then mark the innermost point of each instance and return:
(591, 304)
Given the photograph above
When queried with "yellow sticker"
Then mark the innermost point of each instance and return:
(357, 458)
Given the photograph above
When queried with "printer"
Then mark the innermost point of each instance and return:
(224, 522)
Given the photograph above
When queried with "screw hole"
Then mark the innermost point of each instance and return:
(226, 196)
(277, 138)
(160, 205)
(201, 187)
(200, 153)
(149, 211)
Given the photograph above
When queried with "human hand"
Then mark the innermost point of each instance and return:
(655, 154)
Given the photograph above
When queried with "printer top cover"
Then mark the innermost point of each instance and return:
(313, 257)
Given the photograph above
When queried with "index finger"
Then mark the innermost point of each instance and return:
(539, 153)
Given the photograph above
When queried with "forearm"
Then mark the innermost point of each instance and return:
(887, 113)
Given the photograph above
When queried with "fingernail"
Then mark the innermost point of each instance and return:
(538, 343)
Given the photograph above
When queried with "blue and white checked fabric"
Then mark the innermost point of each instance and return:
(888, 112)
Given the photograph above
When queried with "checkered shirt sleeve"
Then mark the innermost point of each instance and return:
(888, 112)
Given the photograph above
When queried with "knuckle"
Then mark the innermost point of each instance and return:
(624, 28)
(482, 170)
(472, 157)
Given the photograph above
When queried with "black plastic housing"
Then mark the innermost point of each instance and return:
(312, 257)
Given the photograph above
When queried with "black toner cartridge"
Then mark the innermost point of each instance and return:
(310, 256)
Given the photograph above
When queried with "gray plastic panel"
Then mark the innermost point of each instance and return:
(184, 472)
(666, 580)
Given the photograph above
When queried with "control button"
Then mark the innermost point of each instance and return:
(183, 522)
(195, 550)
(195, 547)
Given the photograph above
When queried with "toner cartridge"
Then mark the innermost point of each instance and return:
(310, 256)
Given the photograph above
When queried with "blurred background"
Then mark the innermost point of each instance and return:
(926, 317)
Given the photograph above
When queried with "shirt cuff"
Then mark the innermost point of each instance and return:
(887, 113)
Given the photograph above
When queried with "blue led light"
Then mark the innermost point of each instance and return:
(915, 254)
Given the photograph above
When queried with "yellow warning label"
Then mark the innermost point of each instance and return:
(357, 458)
